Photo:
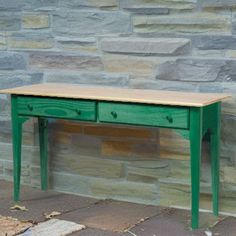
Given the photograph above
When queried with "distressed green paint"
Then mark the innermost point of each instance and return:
(209, 119)
(151, 115)
(16, 140)
(59, 108)
(196, 119)
(215, 150)
(211, 127)
(43, 140)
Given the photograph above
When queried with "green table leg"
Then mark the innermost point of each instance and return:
(16, 142)
(43, 140)
(215, 149)
(195, 148)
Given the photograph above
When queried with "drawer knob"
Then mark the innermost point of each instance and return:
(170, 119)
(78, 112)
(114, 114)
(30, 107)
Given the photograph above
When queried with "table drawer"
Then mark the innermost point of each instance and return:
(151, 115)
(57, 107)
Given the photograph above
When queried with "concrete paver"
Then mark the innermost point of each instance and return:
(112, 215)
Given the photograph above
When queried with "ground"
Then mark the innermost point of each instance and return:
(106, 217)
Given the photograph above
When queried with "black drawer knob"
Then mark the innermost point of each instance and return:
(114, 114)
(170, 119)
(78, 112)
(30, 107)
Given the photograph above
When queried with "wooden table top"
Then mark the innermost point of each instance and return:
(118, 94)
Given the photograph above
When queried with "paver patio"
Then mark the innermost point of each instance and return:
(108, 217)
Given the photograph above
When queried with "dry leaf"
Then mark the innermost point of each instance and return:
(18, 208)
(52, 214)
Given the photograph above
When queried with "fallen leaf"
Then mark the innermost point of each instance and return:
(52, 214)
(18, 208)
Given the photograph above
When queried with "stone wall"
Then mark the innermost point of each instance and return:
(187, 45)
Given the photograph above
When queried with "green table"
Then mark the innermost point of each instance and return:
(194, 115)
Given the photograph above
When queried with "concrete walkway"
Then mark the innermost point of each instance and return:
(108, 217)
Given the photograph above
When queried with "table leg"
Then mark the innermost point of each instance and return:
(195, 149)
(16, 143)
(43, 140)
(215, 149)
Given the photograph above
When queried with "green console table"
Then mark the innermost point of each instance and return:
(194, 115)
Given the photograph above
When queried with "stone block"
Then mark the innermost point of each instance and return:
(169, 4)
(157, 46)
(10, 21)
(147, 10)
(136, 66)
(175, 194)
(234, 25)
(147, 170)
(15, 78)
(12, 61)
(229, 107)
(164, 85)
(35, 21)
(40, 5)
(6, 136)
(115, 148)
(103, 4)
(1, 169)
(77, 44)
(228, 189)
(26, 40)
(70, 183)
(231, 53)
(119, 132)
(128, 148)
(228, 129)
(140, 178)
(208, 53)
(5, 115)
(218, 3)
(29, 153)
(198, 70)
(124, 190)
(173, 145)
(97, 78)
(71, 143)
(90, 22)
(8, 170)
(228, 205)
(35, 172)
(229, 174)
(213, 42)
(11, 5)
(179, 169)
(88, 166)
(178, 193)
(185, 23)
(3, 41)
(50, 60)
(66, 126)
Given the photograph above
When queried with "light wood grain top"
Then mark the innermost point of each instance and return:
(118, 94)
